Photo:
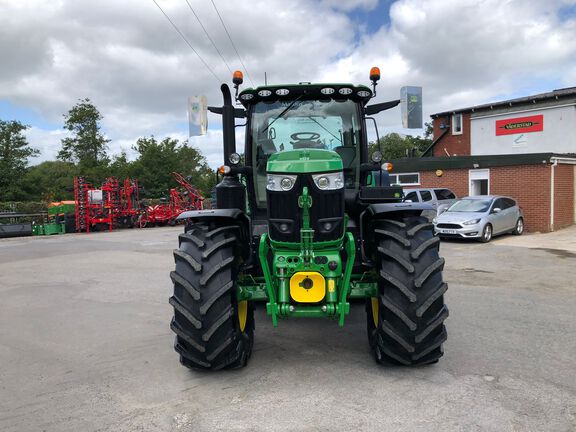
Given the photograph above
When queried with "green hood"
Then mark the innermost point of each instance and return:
(304, 161)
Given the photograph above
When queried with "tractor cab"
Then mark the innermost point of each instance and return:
(294, 119)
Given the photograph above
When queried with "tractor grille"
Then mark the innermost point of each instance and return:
(326, 213)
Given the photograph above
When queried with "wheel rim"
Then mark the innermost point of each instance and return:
(487, 232)
(242, 314)
(519, 226)
(375, 310)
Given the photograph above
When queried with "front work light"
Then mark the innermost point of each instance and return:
(329, 181)
(234, 158)
(280, 182)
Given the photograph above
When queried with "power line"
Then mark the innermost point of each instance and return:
(206, 32)
(232, 42)
(187, 42)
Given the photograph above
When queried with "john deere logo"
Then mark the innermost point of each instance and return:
(518, 125)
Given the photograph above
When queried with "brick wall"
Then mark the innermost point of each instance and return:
(453, 144)
(528, 184)
(564, 196)
(456, 180)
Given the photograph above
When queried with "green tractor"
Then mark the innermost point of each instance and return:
(307, 224)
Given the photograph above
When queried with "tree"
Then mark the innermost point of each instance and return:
(428, 131)
(14, 154)
(50, 181)
(87, 146)
(395, 146)
(158, 159)
(120, 167)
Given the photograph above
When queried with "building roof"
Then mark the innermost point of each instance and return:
(559, 94)
(405, 165)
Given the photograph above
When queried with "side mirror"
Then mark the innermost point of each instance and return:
(496, 210)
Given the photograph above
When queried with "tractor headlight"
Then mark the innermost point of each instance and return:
(283, 182)
(329, 181)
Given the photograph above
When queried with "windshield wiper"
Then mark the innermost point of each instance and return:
(288, 108)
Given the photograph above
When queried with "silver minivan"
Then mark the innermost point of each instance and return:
(439, 198)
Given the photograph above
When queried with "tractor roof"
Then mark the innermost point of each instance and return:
(289, 92)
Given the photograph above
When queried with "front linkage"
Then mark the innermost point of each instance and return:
(311, 275)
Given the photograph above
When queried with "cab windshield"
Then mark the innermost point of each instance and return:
(299, 124)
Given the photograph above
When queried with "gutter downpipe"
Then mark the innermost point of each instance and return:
(552, 171)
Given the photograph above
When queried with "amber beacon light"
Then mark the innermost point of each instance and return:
(237, 77)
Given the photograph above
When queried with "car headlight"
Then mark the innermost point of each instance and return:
(280, 182)
(471, 222)
(329, 181)
(435, 221)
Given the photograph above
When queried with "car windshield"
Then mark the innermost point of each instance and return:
(299, 124)
(471, 205)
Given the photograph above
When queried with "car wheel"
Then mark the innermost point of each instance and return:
(486, 234)
(519, 229)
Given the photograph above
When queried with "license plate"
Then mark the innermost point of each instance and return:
(448, 231)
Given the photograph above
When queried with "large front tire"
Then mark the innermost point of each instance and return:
(406, 321)
(213, 330)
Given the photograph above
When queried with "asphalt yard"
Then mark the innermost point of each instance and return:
(85, 345)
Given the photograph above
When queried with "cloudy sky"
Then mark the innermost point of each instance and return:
(128, 59)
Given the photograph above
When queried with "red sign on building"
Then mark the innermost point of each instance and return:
(520, 125)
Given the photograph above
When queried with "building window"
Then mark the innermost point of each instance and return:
(408, 179)
(457, 126)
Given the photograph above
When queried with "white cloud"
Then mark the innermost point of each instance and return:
(127, 59)
(47, 141)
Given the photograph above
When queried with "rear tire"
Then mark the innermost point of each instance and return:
(519, 228)
(213, 330)
(406, 321)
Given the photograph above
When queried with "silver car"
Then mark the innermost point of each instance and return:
(480, 217)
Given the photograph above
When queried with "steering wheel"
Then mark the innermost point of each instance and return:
(305, 136)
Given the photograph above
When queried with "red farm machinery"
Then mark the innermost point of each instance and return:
(165, 213)
(106, 207)
(114, 205)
